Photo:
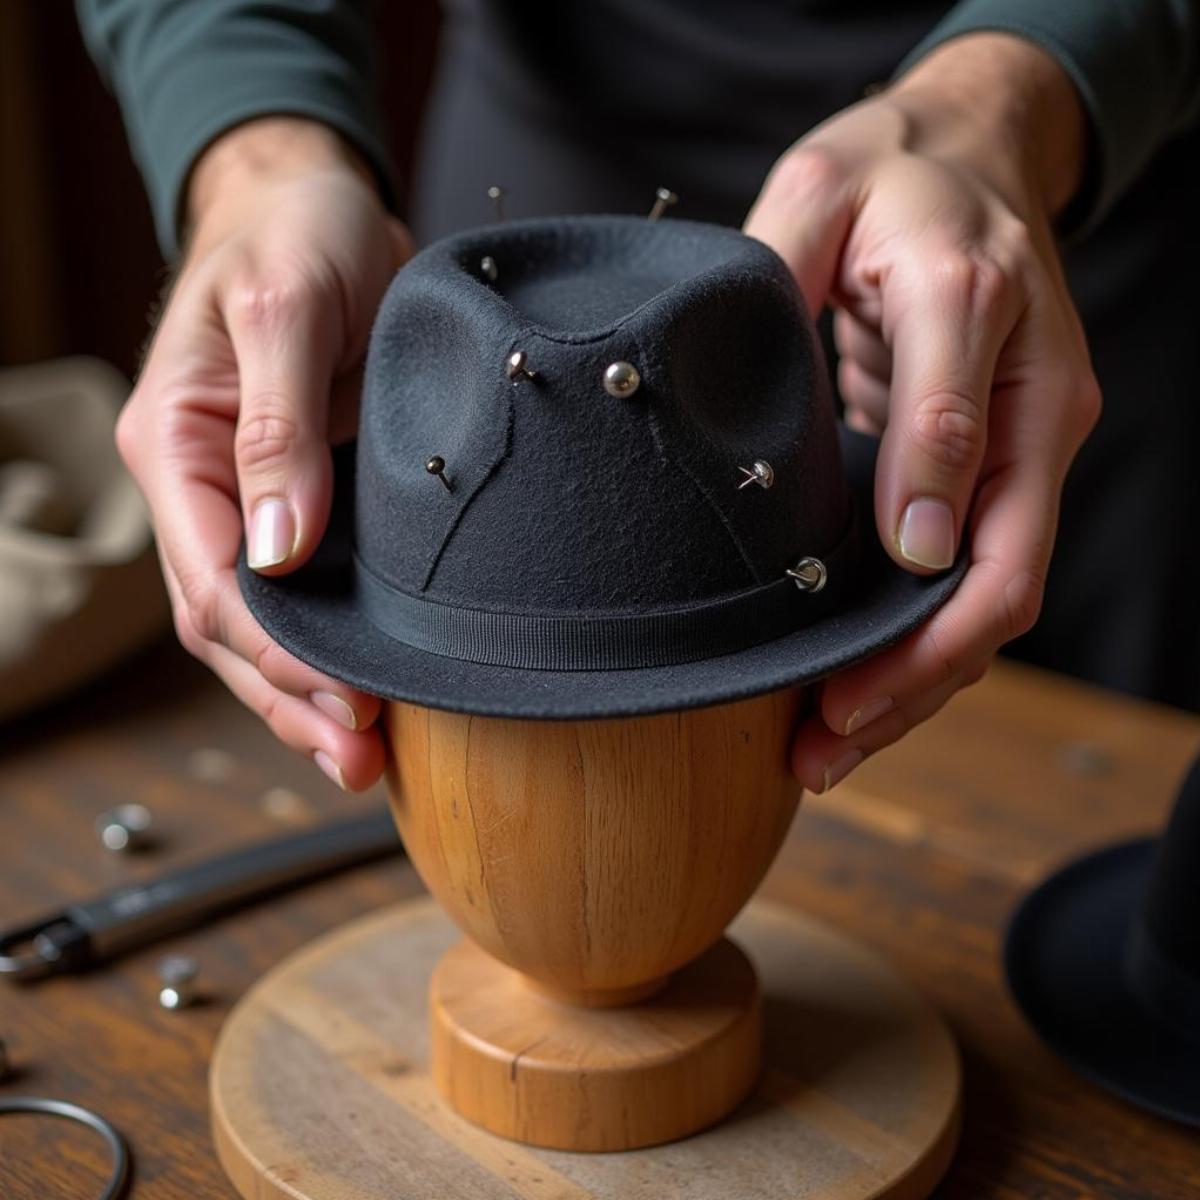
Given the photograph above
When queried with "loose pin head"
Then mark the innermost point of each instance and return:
(621, 379)
(516, 369)
(436, 465)
(487, 268)
(177, 973)
(663, 199)
(496, 194)
(761, 473)
(125, 828)
(809, 575)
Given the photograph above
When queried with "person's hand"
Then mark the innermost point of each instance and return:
(253, 371)
(923, 215)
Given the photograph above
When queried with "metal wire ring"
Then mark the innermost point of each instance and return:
(118, 1179)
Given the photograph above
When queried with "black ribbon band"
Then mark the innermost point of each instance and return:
(589, 642)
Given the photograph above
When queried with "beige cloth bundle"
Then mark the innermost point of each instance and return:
(79, 582)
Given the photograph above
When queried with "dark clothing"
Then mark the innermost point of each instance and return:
(590, 107)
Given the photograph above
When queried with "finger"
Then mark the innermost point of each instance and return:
(946, 316)
(285, 340)
(866, 397)
(821, 759)
(804, 213)
(353, 761)
(863, 344)
(1012, 535)
(222, 619)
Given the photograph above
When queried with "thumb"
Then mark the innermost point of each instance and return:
(285, 350)
(804, 213)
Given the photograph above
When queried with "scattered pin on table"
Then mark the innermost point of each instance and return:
(436, 465)
(809, 574)
(487, 268)
(516, 369)
(178, 975)
(125, 828)
(761, 473)
(663, 199)
(496, 194)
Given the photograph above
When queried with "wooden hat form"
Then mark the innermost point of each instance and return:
(594, 866)
(594, 1004)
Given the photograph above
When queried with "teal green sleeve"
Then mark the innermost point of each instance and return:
(184, 71)
(1136, 64)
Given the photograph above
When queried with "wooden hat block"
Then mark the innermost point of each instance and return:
(594, 866)
(594, 1004)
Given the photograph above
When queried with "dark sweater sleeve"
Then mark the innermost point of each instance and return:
(184, 71)
(1136, 64)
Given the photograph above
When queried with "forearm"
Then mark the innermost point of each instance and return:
(185, 73)
(1134, 64)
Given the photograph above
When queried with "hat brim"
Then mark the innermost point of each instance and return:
(313, 612)
(1064, 958)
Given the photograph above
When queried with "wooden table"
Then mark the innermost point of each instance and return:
(922, 853)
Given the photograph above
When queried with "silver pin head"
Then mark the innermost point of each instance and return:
(761, 473)
(436, 465)
(125, 828)
(487, 268)
(663, 199)
(177, 973)
(496, 194)
(621, 379)
(516, 367)
(809, 575)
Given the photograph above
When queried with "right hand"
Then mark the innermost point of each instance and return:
(254, 370)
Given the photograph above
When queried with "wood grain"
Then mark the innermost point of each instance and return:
(923, 853)
(594, 856)
(320, 1086)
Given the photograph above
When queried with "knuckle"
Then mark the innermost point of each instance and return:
(259, 303)
(202, 605)
(947, 429)
(186, 632)
(128, 432)
(267, 434)
(807, 170)
(942, 667)
(1088, 402)
(1021, 603)
(971, 283)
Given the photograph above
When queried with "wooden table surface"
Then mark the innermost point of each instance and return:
(922, 853)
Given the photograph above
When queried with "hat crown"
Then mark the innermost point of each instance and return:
(557, 497)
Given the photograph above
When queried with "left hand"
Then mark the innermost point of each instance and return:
(924, 215)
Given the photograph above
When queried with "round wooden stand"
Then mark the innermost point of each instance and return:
(321, 1089)
(527, 1066)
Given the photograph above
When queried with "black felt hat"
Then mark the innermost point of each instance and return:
(1104, 960)
(598, 473)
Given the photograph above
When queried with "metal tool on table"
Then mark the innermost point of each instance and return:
(81, 935)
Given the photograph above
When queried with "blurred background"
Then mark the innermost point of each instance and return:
(79, 268)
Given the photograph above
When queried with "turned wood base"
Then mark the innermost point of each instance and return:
(321, 1090)
(527, 1066)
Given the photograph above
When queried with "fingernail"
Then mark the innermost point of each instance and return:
(330, 768)
(837, 770)
(272, 533)
(864, 714)
(335, 707)
(926, 534)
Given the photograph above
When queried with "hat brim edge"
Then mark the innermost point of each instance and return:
(1065, 972)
